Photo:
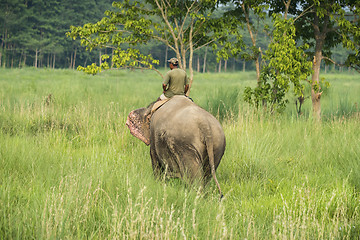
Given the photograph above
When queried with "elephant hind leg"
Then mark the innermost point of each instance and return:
(192, 167)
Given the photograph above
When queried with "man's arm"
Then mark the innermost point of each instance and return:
(186, 88)
(164, 88)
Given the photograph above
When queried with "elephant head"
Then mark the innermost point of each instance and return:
(138, 123)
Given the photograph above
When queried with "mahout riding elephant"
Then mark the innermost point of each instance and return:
(185, 140)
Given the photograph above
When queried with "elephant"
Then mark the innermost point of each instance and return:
(185, 140)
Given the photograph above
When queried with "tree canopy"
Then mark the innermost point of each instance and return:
(324, 25)
(318, 27)
(32, 33)
(182, 26)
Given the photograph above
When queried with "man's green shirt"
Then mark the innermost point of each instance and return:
(176, 79)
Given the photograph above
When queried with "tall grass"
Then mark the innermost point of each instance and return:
(70, 168)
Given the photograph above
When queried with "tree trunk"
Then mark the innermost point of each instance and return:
(253, 40)
(74, 59)
(40, 64)
(166, 56)
(54, 61)
(4, 60)
(191, 56)
(12, 61)
(36, 58)
(183, 58)
(51, 59)
(24, 65)
(198, 63)
(85, 61)
(220, 66)
(316, 92)
(112, 57)
(100, 61)
(244, 65)
(71, 60)
(3, 45)
(225, 66)
(21, 54)
(257, 65)
(204, 65)
(7, 63)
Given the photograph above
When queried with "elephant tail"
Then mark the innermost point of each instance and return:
(210, 151)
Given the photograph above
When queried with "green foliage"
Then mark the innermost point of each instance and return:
(42, 25)
(350, 30)
(268, 92)
(335, 22)
(287, 61)
(113, 31)
(184, 28)
(252, 16)
(39, 26)
(287, 66)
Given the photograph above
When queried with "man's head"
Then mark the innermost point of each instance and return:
(173, 62)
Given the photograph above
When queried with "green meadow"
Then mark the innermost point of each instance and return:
(70, 169)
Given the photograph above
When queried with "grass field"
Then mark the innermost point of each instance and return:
(70, 169)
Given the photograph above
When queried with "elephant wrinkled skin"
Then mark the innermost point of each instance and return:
(185, 140)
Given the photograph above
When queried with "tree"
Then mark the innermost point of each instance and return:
(321, 25)
(11, 16)
(324, 25)
(251, 14)
(182, 26)
(284, 63)
(33, 32)
(287, 65)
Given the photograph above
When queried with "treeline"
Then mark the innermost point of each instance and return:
(33, 33)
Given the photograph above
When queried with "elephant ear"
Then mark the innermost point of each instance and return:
(138, 123)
